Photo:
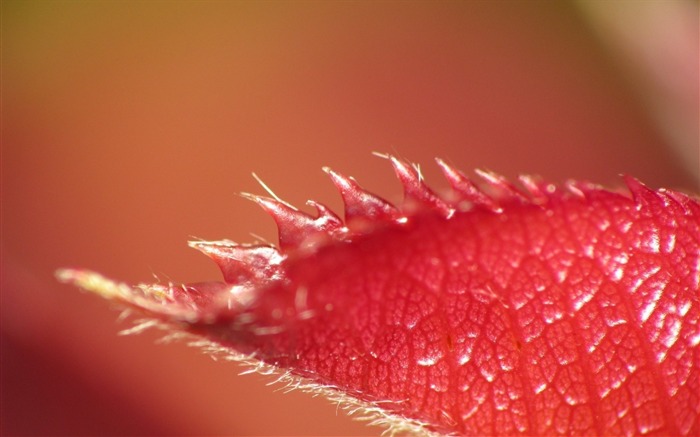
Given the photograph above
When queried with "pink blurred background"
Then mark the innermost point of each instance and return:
(129, 127)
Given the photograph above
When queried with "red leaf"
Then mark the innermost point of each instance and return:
(487, 311)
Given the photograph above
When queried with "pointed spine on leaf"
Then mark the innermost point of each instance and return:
(691, 206)
(641, 194)
(293, 226)
(327, 221)
(360, 203)
(417, 195)
(678, 202)
(582, 189)
(465, 189)
(539, 191)
(502, 189)
(242, 263)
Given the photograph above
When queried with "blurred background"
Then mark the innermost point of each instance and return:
(128, 128)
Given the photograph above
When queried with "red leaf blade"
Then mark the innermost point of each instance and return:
(535, 312)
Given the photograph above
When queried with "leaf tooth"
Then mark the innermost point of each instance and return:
(582, 189)
(642, 195)
(466, 189)
(539, 190)
(672, 202)
(645, 197)
(293, 226)
(328, 225)
(417, 195)
(502, 189)
(242, 264)
(360, 203)
(327, 220)
(690, 204)
(678, 202)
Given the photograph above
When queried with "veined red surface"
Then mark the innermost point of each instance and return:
(488, 310)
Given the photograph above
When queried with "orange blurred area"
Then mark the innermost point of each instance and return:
(129, 127)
